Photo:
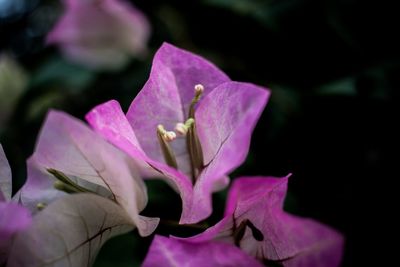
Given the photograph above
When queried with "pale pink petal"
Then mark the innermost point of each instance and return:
(101, 33)
(67, 145)
(38, 190)
(69, 232)
(13, 218)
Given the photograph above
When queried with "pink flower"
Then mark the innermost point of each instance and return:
(101, 34)
(70, 157)
(190, 125)
(256, 223)
(108, 197)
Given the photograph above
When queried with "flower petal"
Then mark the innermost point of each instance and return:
(285, 238)
(67, 145)
(165, 252)
(69, 232)
(260, 200)
(5, 177)
(13, 218)
(109, 120)
(226, 119)
(166, 97)
(101, 34)
(38, 188)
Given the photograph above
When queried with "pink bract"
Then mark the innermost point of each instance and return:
(225, 118)
(13, 218)
(68, 146)
(268, 232)
(169, 252)
(101, 34)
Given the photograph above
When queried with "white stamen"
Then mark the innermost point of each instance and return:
(170, 136)
(167, 135)
(198, 89)
(181, 129)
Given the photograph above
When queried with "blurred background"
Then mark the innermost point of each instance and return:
(332, 65)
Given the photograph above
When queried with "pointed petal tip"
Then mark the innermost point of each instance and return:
(147, 225)
(194, 213)
(102, 108)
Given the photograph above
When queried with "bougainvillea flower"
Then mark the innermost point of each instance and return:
(75, 225)
(190, 124)
(69, 232)
(101, 33)
(170, 252)
(80, 161)
(13, 217)
(256, 222)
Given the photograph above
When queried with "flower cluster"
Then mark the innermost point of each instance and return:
(190, 126)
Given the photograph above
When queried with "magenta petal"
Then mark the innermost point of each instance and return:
(166, 96)
(226, 119)
(299, 241)
(5, 177)
(165, 252)
(13, 218)
(174, 73)
(288, 239)
(109, 120)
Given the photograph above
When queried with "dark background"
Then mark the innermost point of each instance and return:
(332, 66)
